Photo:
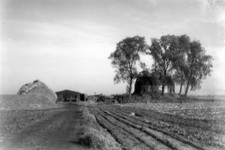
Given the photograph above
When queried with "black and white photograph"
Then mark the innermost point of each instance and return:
(112, 75)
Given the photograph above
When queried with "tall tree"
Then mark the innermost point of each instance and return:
(180, 75)
(199, 66)
(165, 51)
(125, 57)
(180, 64)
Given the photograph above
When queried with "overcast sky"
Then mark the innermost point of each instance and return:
(66, 43)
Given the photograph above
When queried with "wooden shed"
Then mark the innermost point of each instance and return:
(69, 96)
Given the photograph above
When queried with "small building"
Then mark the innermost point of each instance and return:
(69, 96)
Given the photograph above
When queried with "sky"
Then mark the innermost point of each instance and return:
(66, 44)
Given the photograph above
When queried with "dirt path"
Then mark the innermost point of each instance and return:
(56, 132)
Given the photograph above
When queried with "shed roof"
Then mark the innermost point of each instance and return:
(68, 91)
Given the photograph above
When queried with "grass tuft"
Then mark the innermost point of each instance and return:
(93, 136)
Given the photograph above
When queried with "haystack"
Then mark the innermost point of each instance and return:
(38, 88)
(35, 95)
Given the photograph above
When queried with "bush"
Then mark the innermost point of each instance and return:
(171, 97)
(92, 138)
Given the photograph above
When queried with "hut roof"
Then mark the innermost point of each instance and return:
(68, 91)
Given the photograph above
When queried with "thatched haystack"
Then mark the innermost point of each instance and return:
(38, 88)
(35, 95)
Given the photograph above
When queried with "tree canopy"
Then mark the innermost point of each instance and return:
(175, 57)
(125, 58)
(165, 52)
(199, 66)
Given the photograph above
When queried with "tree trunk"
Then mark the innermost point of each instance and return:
(181, 85)
(174, 89)
(130, 87)
(170, 88)
(186, 89)
(163, 82)
(163, 87)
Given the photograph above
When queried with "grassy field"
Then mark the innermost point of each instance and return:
(196, 110)
(13, 121)
(25, 102)
(208, 97)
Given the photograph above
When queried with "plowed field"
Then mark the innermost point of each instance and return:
(137, 128)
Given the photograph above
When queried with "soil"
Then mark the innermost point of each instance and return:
(136, 128)
(55, 131)
(132, 129)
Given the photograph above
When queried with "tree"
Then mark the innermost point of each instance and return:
(180, 64)
(125, 57)
(180, 77)
(165, 51)
(199, 66)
